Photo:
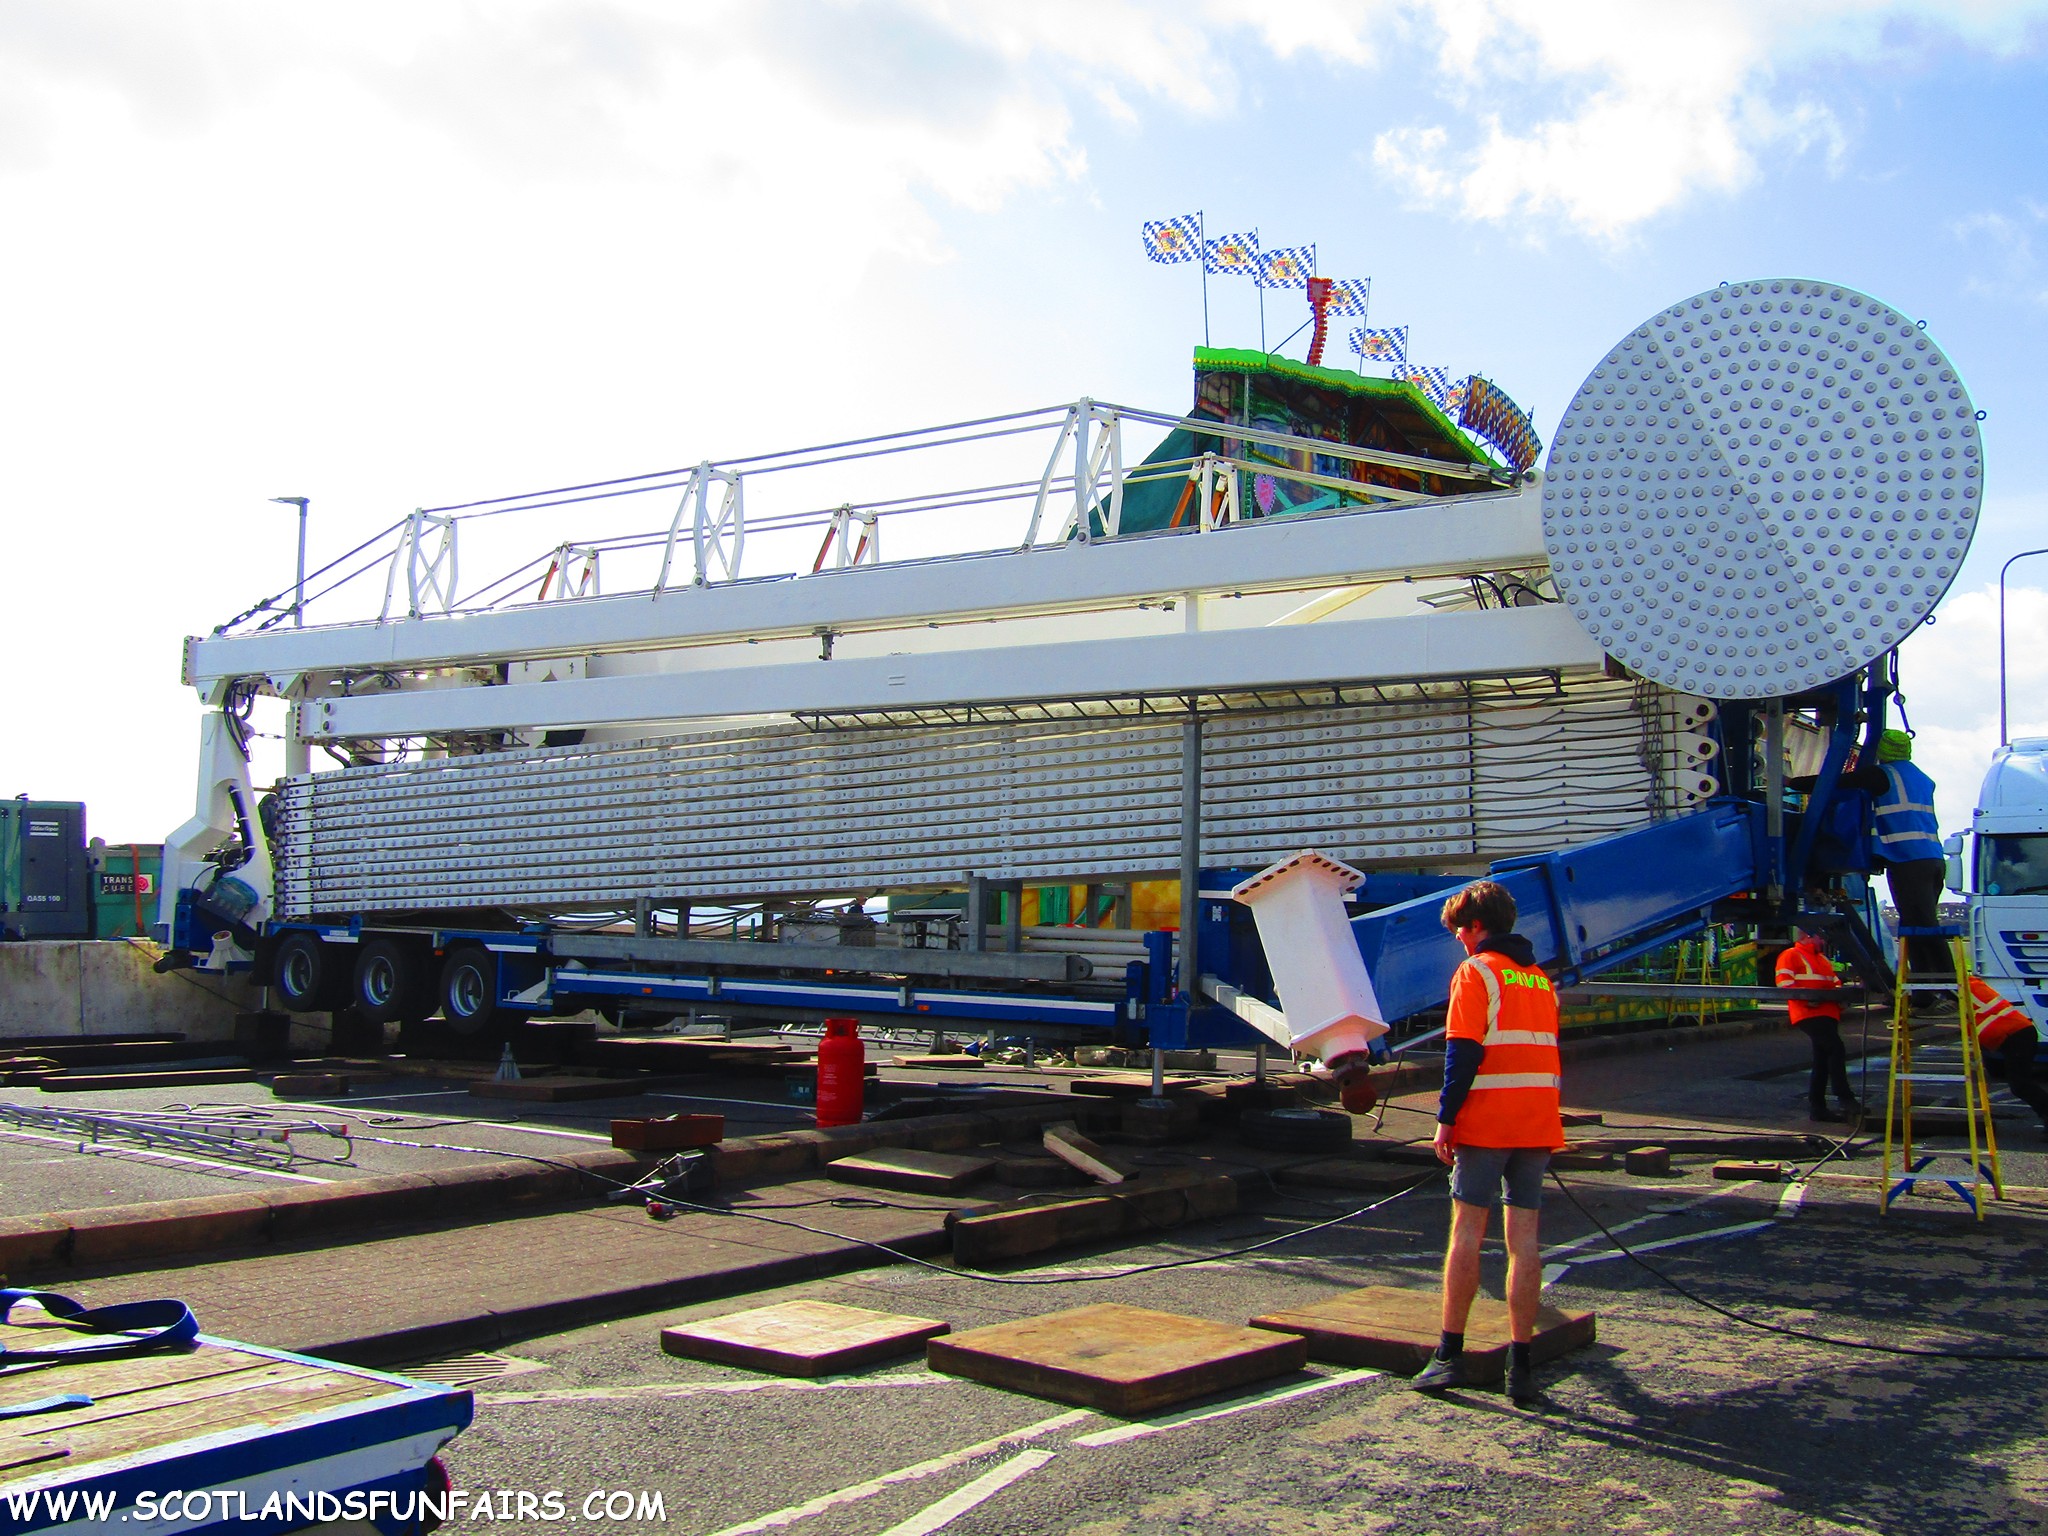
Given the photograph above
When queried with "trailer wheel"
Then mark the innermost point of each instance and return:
(1294, 1130)
(305, 973)
(469, 994)
(391, 983)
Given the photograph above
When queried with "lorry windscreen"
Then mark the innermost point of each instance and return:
(2015, 864)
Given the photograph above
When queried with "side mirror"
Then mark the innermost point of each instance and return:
(1952, 859)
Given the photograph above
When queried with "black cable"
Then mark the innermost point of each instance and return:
(2014, 1357)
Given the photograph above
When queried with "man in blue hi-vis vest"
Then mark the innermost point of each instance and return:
(1907, 847)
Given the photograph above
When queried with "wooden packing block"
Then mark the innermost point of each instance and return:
(1129, 1085)
(944, 1062)
(935, 1173)
(1121, 1360)
(1584, 1158)
(1647, 1161)
(668, 1133)
(1582, 1117)
(1065, 1142)
(802, 1338)
(85, 1082)
(1394, 1328)
(309, 1085)
(1021, 1171)
(1348, 1173)
(1735, 1168)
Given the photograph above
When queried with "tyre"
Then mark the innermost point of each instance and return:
(307, 974)
(469, 995)
(1295, 1130)
(392, 983)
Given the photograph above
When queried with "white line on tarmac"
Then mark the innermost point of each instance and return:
(674, 1389)
(147, 1155)
(1597, 1236)
(1668, 1242)
(1123, 1432)
(938, 1516)
(875, 1485)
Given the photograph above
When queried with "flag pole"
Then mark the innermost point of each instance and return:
(1259, 283)
(1202, 251)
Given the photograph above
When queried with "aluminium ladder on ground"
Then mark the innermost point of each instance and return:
(1898, 1114)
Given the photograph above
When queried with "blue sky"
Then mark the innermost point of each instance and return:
(388, 254)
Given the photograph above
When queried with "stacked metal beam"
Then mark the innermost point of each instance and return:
(783, 811)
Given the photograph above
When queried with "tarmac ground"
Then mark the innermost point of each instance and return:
(1678, 1419)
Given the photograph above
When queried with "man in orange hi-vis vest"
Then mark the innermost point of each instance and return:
(2005, 1031)
(1497, 1124)
(1806, 966)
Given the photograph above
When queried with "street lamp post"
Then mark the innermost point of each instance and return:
(299, 590)
(2004, 735)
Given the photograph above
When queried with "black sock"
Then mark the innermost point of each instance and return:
(1453, 1345)
(1520, 1353)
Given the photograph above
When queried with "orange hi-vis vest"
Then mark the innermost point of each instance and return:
(1804, 965)
(1511, 1010)
(1999, 1018)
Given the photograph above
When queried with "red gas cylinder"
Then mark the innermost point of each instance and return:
(842, 1073)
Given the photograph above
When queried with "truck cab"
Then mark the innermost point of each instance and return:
(2001, 864)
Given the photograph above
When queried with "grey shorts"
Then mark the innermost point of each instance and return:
(1479, 1172)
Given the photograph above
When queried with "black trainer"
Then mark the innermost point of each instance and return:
(1440, 1374)
(1521, 1383)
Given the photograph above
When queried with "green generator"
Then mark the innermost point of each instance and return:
(124, 877)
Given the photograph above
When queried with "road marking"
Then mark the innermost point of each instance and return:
(675, 1389)
(922, 1469)
(148, 1155)
(985, 1487)
(1677, 1210)
(1123, 1432)
(1668, 1242)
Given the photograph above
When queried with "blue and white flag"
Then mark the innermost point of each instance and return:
(1433, 382)
(1290, 267)
(1348, 296)
(1381, 345)
(1235, 255)
(1177, 239)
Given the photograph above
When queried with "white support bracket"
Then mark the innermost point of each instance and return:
(1262, 1016)
(572, 572)
(1096, 435)
(429, 573)
(716, 537)
(843, 547)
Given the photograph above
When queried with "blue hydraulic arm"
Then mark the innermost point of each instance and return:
(1585, 908)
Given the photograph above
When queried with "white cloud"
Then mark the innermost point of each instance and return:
(1606, 113)
(2008, 267)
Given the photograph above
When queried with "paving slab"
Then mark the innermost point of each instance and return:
(802, 1338)
(1395, 1328)
(1120, 1359)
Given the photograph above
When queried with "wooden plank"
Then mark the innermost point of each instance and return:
(668, 1133)
(1119, 1359)
(1065, 1142)
(132, 1434)
(80, 1082)
(945, 1062)
(1395, 1328)
(1129, 1085)
(28, 1453)
(802, 1338)
(937, 1173)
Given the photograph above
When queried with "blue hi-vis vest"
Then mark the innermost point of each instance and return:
(1906, 828)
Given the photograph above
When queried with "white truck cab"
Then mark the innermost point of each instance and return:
(2001, 864)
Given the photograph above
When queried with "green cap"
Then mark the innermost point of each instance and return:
(1894, 747)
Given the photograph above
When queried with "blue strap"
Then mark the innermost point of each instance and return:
(46, 1405)
(142, 1327)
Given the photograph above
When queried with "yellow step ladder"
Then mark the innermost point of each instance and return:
(1899, 1150)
